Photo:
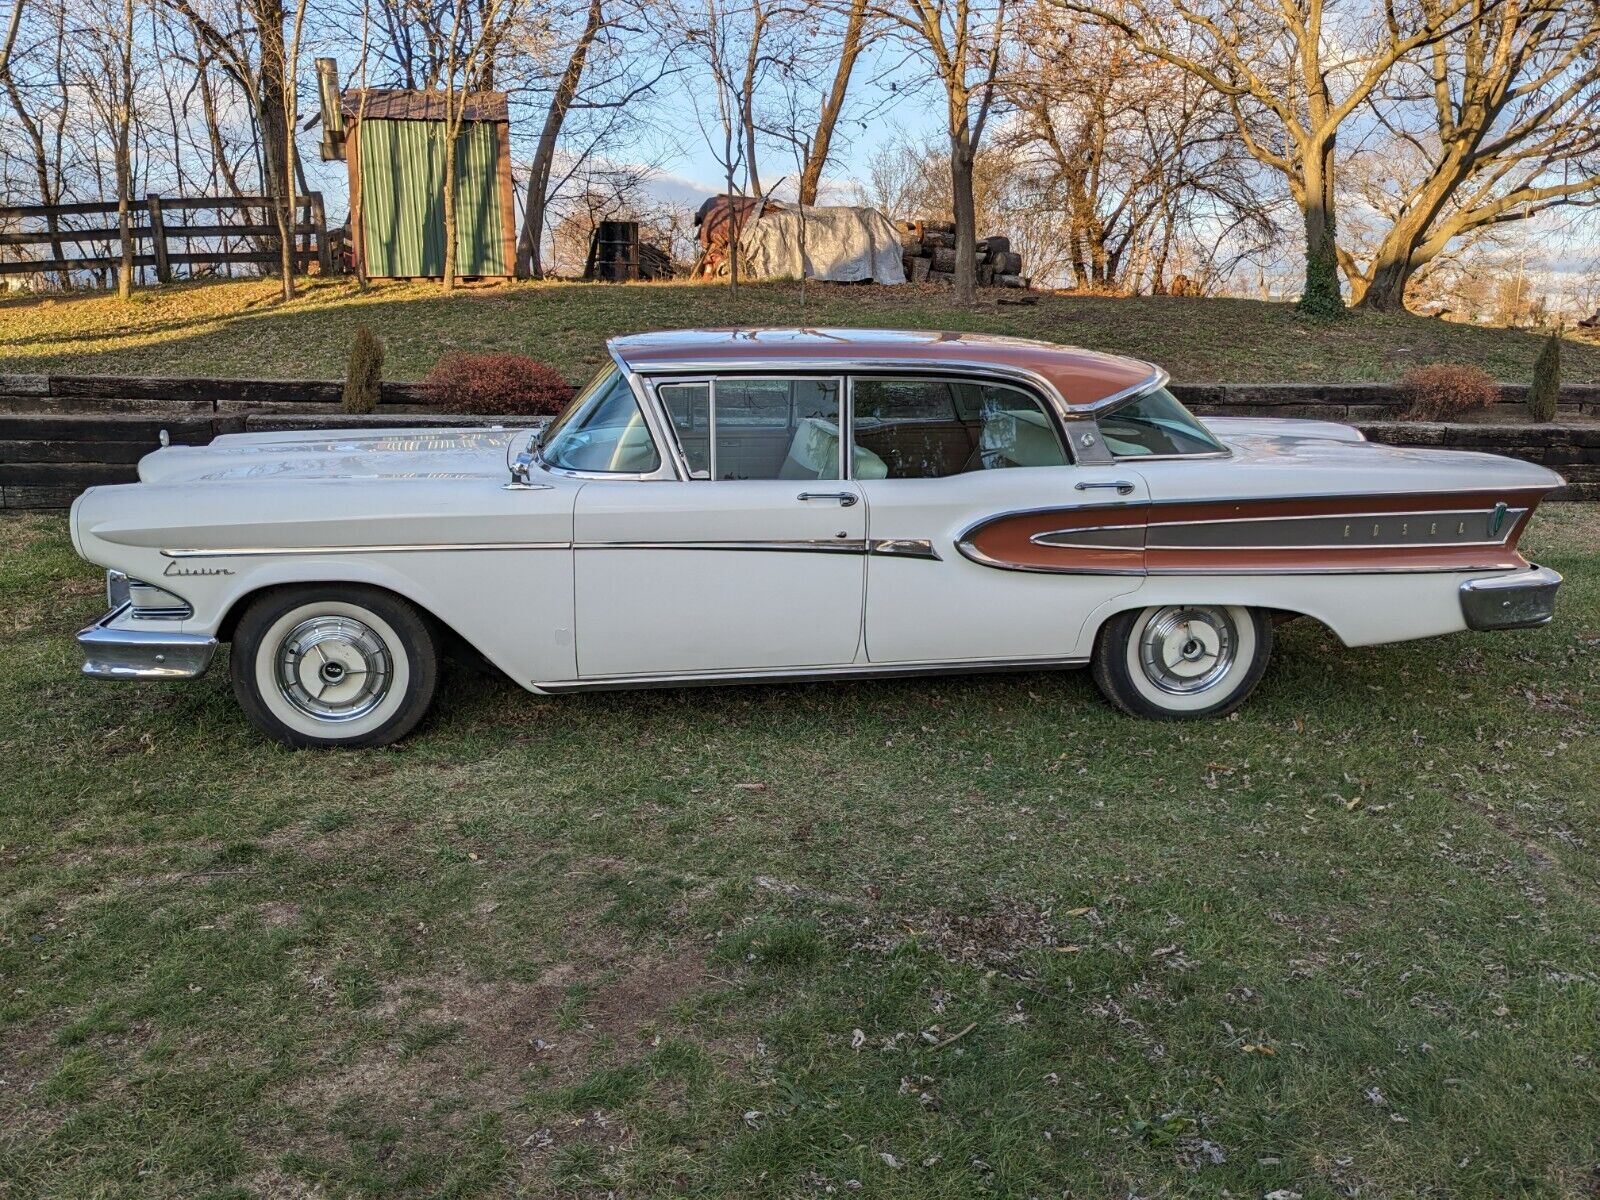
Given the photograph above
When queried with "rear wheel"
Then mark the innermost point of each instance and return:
(317, 666)
(1182, 661)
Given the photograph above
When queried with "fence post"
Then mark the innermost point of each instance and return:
(319, 221)
(158, 239)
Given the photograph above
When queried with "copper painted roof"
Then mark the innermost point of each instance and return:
(398, 104)
(1084, 378)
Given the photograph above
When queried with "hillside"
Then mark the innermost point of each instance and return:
(240, 329)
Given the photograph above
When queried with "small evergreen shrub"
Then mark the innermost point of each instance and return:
(1443, 391)
(363, 376)
(1546, 387)
(497, 385)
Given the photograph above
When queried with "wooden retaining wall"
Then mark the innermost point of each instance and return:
(62, 433)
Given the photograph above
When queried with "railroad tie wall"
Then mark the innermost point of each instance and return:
(62, 433)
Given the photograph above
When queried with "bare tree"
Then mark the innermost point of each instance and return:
(249, 44)
(561, 101)
(961, 40)
(13, 24)
(1141, 158)
(820, 145)
(1503, 119)
(1291, 83)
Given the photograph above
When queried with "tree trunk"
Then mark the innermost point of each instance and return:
(533, 213)
(747, 99)
(966, 273)
(124, 164)
(272, 116)
(822, 141)
(450, 128)
(1321, 296)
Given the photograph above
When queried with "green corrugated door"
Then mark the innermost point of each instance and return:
(402, 199)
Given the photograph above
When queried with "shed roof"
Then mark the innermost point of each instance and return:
(1082, 378)
(399, 104)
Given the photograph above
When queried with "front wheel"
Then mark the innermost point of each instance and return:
(318, 666)
(1180, 662)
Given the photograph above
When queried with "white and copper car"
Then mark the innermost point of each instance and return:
(771, 504)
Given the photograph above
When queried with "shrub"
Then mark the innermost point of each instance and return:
(1441, 391)
(363, 377)
(496, 384)
(1546, 387)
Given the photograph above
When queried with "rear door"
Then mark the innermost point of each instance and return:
(991, 545)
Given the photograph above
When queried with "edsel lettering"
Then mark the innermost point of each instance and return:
(177, 569)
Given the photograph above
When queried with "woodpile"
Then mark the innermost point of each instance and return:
(928, 250)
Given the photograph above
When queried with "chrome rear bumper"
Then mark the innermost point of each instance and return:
(113, 650)
(1520, 600)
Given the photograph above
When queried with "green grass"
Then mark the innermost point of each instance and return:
(242, 329)
(1343, 940)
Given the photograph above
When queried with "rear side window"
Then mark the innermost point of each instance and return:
(933, 428)
(1156, 423)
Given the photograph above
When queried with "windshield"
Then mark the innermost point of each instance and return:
(1156, 423)
(602, 431)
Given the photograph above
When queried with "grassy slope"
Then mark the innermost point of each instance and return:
(239, 329)
(1345, 939)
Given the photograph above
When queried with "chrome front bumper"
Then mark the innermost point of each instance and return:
(1520, 600)
(113, 650)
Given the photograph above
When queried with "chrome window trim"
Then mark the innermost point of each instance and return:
(847, 365)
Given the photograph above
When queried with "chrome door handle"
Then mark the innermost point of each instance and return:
(845, 499)
(1124, 488)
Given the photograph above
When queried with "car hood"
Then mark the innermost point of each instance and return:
(329, 454)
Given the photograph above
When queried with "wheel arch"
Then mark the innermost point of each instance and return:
(1141, 598)
(452, 643)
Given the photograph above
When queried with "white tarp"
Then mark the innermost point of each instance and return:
(841, 245)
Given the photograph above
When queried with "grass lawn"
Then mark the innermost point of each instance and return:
(925, 939)
(241, 329)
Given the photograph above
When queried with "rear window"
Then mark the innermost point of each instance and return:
(1156, 423)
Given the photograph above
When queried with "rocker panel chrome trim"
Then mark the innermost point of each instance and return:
(812, 674)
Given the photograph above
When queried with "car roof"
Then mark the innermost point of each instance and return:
(1079, 378)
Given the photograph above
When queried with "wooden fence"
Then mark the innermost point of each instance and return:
(154, 233)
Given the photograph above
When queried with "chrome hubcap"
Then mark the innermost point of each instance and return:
(1186, 650)
(334, 668)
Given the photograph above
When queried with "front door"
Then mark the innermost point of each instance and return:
(757, 563)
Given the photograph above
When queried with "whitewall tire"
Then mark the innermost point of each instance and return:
(1182, 661)
(334, 666)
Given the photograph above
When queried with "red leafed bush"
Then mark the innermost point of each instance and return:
(512, 385)
(1443, 391)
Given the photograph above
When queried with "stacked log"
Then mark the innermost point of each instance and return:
(928, 251)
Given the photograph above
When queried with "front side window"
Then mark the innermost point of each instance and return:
(756, 428)
(602, 431)
(933, 428)
(1156, 423)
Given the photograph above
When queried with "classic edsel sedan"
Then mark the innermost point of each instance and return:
(727, 506)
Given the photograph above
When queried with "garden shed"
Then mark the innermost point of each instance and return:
(394, 142)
